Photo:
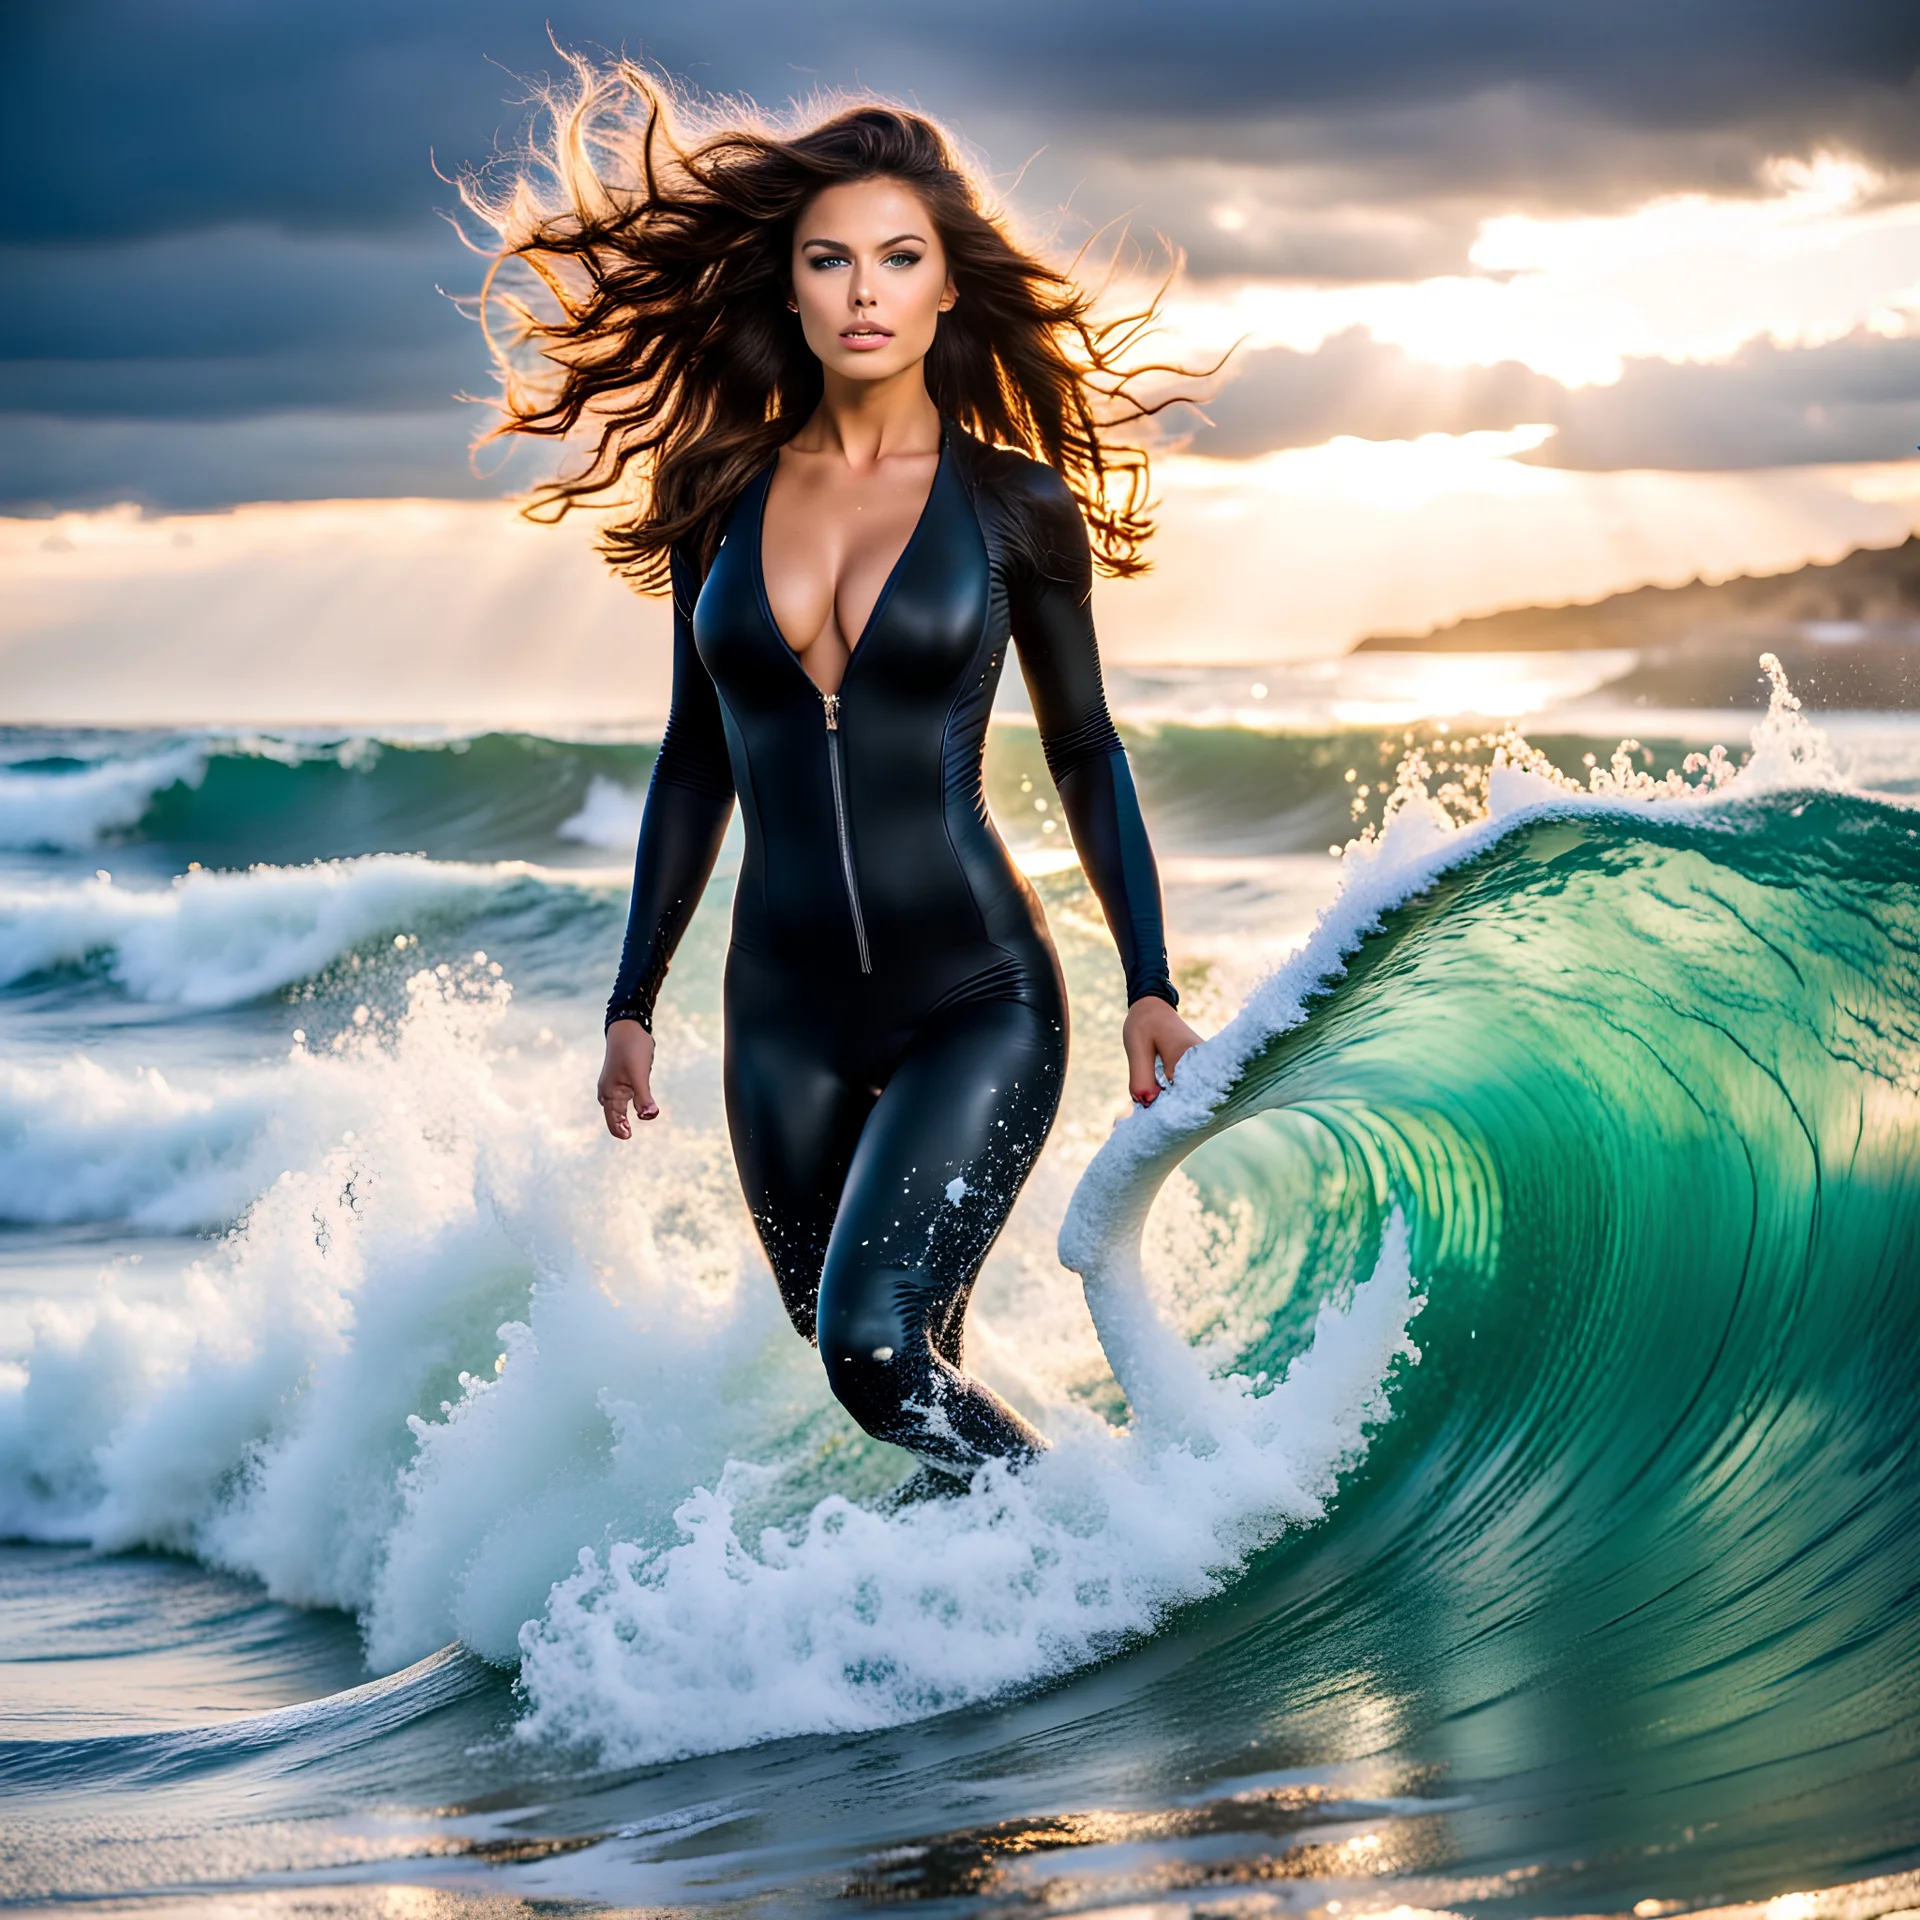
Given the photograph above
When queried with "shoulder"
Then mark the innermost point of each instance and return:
(1014, 478)
(1026, 503)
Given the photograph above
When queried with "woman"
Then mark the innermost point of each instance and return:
(819, 356)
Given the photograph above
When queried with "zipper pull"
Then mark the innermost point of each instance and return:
(831, 701)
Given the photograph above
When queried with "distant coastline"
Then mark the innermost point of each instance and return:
(1847, 632)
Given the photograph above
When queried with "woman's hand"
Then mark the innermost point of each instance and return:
(625, 1076)
(1153, 1028)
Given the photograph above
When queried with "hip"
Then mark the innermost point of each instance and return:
(796, 985)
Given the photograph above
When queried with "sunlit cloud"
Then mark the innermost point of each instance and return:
(1381, 473)
(1684, 277)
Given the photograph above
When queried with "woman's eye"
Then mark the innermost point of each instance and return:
(829, 260)
(902, 260)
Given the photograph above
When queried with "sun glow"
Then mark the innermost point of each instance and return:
(1682, 277)
(1382, 473)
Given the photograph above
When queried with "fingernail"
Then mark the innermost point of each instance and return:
(647, 1113)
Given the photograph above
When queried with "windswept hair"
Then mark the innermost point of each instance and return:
(656, 326)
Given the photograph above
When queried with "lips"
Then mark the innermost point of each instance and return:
(864, 339)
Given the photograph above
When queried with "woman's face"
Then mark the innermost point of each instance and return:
(869, 278)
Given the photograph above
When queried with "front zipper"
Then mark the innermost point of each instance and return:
(831, 701)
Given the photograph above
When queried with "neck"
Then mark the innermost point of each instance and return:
(866, 421)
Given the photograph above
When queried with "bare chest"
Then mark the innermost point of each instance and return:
(829, 542)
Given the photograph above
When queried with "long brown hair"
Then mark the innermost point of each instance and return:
(656, 321)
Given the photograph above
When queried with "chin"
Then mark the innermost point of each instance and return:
(872, 366)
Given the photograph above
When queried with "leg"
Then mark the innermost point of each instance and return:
(795, 1123)
(940, 1161)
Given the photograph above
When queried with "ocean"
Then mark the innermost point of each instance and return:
(1484, 1386)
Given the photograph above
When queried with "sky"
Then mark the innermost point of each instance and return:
(1527, 302)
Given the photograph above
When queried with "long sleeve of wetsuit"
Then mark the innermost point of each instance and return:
(689, 801)
(1051, 606)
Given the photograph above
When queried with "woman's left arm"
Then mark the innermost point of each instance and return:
(1051, 605)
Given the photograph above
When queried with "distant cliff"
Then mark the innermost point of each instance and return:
(1848, 634)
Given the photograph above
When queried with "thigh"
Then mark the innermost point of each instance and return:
(940, 1162)
(795, 1121)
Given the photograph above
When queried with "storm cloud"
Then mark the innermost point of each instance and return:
(227, 218)
(143, 116)
(1854, 399)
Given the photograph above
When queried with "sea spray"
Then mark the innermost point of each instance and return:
(1610, 1604)
(85, 1141)
(66, 809)
(456, 1341)
(212, 940)
(462, 1249)
(140, 1422)
(1450, 801)
(850, 1618)
(442, 1358)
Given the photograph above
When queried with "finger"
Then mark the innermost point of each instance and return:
(1140, 1075)
(613, 1109)
(644, 1103)
(1176, 1051)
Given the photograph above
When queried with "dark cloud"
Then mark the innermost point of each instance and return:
(49, 463)
(238, 320)
(222, 211)
(229, 387)
(234, 289)
(1855, 399)
(137, 116)
(1354, 385)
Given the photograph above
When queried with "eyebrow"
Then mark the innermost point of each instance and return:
(816, 241)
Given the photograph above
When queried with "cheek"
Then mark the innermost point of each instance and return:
(810, 291)
(921, 307)
(822, 306)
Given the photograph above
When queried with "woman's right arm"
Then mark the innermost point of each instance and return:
(689, 801)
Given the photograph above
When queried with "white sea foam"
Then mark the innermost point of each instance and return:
(221, 939)
(466, 1338)
(64, 812)
(80, 1141)
(1101, 1234)
(261, 1417)
(609, 817)
(478, 1371)
(851, 1618)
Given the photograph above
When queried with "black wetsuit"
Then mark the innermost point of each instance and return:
(896, 1024)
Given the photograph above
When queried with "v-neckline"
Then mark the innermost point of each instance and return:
(886, 586)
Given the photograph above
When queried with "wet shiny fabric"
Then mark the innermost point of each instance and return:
(896, 1024)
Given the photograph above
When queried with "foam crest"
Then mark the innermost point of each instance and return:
(140, 1422)
(221, 939)
(1433, 819)
(462, 1338)
(850, 1618)
(469, 1369)
(609, 817)
(443, 1348)
(69, 810)
(171, 1154)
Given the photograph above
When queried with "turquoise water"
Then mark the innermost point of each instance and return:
(1485, 1476)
